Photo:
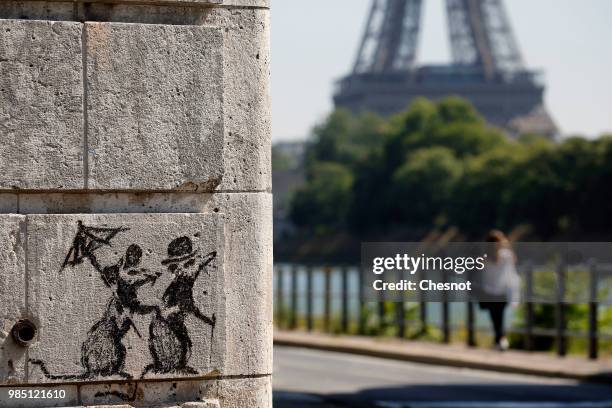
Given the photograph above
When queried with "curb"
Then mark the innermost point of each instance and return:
(381, 350)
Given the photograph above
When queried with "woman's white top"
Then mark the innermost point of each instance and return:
(501, 278)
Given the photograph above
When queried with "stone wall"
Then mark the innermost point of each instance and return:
(135, 203)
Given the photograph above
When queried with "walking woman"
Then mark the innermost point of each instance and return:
(500, 284)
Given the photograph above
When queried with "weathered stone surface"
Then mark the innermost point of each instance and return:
(223, 393)
(60, 396)
(246, 98)
(248, 392)
(154, 2)
(12, 290)
(148, 14)
(155, 106)
(249, 284)
(129, 12)
(37, 10)
(237, 3)
(8, 203)
(111, 406)
(248, 266)
(136, 299)
(202, 404)
(247, 3)
(246, 103)
(147, 394)
(63, 6)
(41, 105)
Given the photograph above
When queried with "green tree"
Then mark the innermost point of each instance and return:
(482, 193)
(439, 164)
(323, 204)
(347, 139)
(280, 161)
(454, 109)
(424, 184)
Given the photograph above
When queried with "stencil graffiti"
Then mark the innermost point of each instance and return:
(103, 352)
(169, 340)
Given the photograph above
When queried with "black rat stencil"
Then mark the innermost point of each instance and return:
(169, 340)
(103, 352)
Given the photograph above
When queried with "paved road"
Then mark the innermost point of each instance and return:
(310, 379)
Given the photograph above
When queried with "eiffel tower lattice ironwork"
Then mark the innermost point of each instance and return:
(487, 67)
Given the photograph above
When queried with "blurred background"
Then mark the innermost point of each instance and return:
(436, 121)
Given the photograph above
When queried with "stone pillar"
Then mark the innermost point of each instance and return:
(135, 203)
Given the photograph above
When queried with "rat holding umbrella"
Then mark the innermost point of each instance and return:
(102, 352)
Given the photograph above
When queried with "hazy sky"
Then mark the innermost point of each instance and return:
(315, 42)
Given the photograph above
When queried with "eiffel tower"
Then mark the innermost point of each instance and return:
(487, 67)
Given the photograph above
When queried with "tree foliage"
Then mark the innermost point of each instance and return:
(323, 203)
(440, 165)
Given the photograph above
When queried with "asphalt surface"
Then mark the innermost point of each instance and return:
(308, 379)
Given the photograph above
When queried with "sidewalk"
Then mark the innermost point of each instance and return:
(454, 355)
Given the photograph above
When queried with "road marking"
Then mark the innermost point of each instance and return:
(492, 404)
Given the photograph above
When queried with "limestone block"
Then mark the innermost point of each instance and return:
(146, 394)
(248, 164)
(41, 105)
(12, 295)
(247, 268)
(37, 10)
(8, 203)
(248, 285)
(246, 393)
(192, 3)
(110, 406)
(147, 13)
(122, 296)
(247, 3)
(222, 393)
(154, 106)
(126, 11)
(202, 404)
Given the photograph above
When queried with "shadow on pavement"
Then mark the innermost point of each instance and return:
(288, 399)
(458, 396)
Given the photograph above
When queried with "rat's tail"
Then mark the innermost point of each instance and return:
(50, 376)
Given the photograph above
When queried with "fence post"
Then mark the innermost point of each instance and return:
(362, 313)
(445, 322)
(471, 337)
(446, 335)
(593, 308)
(327, 318)
(560, 310)
(529, 307)
(280, 301)
(309, 300)
(294, 300)
(401, 319)
(345, 311)
(423, 314)
(381, 311)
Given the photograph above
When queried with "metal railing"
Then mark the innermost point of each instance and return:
(339, 295)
